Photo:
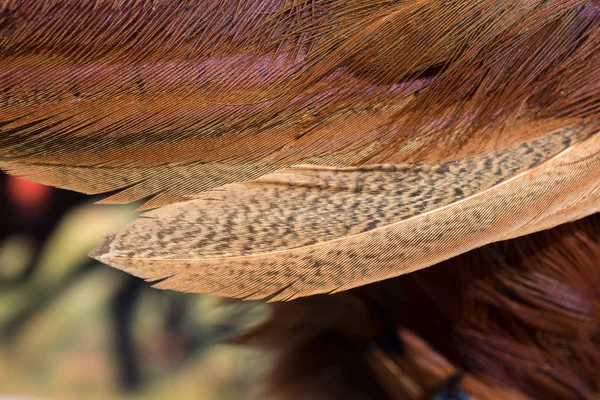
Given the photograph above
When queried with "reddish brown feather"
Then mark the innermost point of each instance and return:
(135, 84)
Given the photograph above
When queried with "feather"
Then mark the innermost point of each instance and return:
(392, 110)
(519, 318)
(166, 100)
(319, 230)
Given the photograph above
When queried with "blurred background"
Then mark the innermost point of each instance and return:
(71, 328)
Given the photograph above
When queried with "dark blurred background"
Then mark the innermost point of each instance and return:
(73, 328)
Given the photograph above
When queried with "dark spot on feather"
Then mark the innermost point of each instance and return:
(370, 226)
(420, 207)
(140, 85)
(103, 248)
(443, 169)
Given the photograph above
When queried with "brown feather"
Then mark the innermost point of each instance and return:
(124, 90)
(173, 101)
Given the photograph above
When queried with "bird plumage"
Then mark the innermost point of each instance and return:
(422, 130)
(320, 230)
(520, 319)
(307, 147)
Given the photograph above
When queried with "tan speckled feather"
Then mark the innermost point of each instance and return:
(317, 230)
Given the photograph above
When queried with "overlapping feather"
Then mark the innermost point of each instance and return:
(380, 101)
(324, 230)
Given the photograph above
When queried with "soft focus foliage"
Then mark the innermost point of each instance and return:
(64, 347)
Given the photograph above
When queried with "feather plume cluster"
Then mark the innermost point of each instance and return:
(299, 147)
(423, 129)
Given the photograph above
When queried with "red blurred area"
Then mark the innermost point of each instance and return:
(27, 196)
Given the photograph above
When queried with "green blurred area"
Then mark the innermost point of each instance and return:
(66, 349)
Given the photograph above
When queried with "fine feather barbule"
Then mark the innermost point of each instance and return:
(309, 231)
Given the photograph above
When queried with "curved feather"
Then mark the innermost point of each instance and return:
(318, 230)
(166, 99)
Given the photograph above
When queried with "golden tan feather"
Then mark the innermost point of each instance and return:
(320, 230)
